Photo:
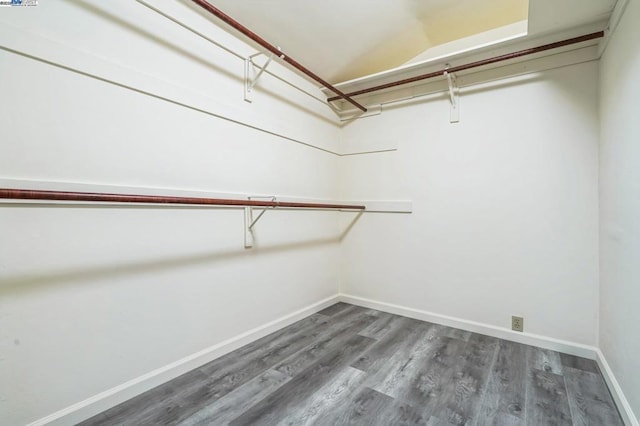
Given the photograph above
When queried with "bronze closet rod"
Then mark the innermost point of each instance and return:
(29, 194)
(476, 64)
(273, 49)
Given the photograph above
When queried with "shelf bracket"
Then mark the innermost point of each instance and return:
(249, 69)
(454, 96)
(248, 235)
(250, 222)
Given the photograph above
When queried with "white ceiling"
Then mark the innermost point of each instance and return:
(345, 39)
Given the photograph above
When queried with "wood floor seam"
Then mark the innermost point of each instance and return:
(493, 362)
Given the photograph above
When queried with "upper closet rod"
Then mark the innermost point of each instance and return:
(273, 49)
(476, 64)
(29, 194)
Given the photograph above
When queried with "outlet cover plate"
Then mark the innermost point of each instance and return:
(517, 323)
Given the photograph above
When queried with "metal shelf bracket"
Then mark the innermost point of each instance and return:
(250, 222)
(454, 96)
(250, 80)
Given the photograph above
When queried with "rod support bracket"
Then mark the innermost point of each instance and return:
(250, 222)
(251, 77)
(248, 234)
(454, 96)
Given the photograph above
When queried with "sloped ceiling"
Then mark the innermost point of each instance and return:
(344, 39)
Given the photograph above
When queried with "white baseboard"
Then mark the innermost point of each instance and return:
(572, 348)
(624, 407)
(114, 396)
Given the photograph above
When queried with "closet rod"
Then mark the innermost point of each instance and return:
(273, 49)
(476, 64)
(29, 194)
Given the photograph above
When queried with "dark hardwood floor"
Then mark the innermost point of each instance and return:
(350, 365)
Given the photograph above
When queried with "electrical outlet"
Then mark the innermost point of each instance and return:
(517, 323)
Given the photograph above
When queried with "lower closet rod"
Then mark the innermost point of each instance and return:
(29, 194)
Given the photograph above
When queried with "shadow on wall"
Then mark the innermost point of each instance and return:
(21, 284)
(181, 51)
(25, 283)
(150, 36)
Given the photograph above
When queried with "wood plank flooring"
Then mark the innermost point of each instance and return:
(348, 365)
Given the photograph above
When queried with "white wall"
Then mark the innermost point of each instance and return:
(620, 204)
(91, 297)
(505, 205)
